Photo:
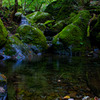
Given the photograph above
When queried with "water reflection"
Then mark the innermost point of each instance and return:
(50, 77)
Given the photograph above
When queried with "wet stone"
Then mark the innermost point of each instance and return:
(3, 87)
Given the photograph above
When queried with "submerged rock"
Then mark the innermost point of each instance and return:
(3, 34)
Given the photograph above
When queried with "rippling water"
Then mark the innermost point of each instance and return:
(50, 77)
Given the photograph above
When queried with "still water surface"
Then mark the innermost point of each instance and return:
(50, 77)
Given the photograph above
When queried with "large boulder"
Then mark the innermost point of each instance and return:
(32, 35)
(81, 20)
(60, 9)
(74, 34)
(70, 35)
(10, 48)
(3, 34)
(38, 17)
(16, 49)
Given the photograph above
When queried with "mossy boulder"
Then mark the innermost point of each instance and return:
(81, 20)
(32, 35)
(70, 35)
(9, 48)
(38, 17)
(60, 9)
(3, 34)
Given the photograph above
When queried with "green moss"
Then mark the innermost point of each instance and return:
(38, 17)
(88, 31)
(49, 23)
(32, 35)
(9, 50)
(70, 35)
(41, 26)
(3, 33)
(58, 26)
(72, 15)
(14, 39)
(60, 9)
(81, 20)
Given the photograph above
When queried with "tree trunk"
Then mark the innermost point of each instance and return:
(15, 10)
(0, 3)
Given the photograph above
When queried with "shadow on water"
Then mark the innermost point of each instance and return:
(50, 77)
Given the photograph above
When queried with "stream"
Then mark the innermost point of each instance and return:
(49, 77)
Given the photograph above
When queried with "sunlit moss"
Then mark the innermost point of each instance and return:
(32, 35)
(70, 35)
(81, 19)
(38, 17)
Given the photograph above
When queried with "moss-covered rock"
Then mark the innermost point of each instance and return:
(38, 17)
(70, 35)
(32, 35)
(41, 26)
(75, 33)
(59, 25)
(3, 34)
(49, 23)
(81, 20)
(12, 40)
(60, 9)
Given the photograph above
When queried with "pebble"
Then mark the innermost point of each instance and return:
(2, 90)
(86, 98)
(70, 99)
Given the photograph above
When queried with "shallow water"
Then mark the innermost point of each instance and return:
(50, 77)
